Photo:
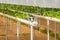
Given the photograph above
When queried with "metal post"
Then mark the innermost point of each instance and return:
(55, 30)
(31, 30)
(18, 30)
(59, 29)
(47, 29)
(6, 20)
(10, 24)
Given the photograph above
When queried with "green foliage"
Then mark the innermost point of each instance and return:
(21, 15)
(52, 12)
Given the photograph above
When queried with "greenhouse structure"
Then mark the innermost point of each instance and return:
(29, 19)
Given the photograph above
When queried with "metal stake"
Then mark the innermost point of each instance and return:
(47, 29)
(31, 32)
(18, 30)
(55, 30)
(59, 29)
(6, 20)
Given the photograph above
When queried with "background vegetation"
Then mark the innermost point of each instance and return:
(52, 12)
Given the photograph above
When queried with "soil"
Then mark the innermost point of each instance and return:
(24, 31)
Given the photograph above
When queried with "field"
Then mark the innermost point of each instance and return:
(24, 35)
(40, 33)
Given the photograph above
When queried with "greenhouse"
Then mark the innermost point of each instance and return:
(29, 19)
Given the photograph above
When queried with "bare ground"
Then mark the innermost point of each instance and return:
(24, 31)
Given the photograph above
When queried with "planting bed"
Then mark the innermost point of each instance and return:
(24, 31)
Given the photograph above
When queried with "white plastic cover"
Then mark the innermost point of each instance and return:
(40, 3)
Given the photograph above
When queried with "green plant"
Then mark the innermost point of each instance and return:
(53, 12)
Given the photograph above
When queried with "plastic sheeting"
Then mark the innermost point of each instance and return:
(40, 3)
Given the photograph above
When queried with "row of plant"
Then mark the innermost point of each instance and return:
(53, 12)
(14, 13)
